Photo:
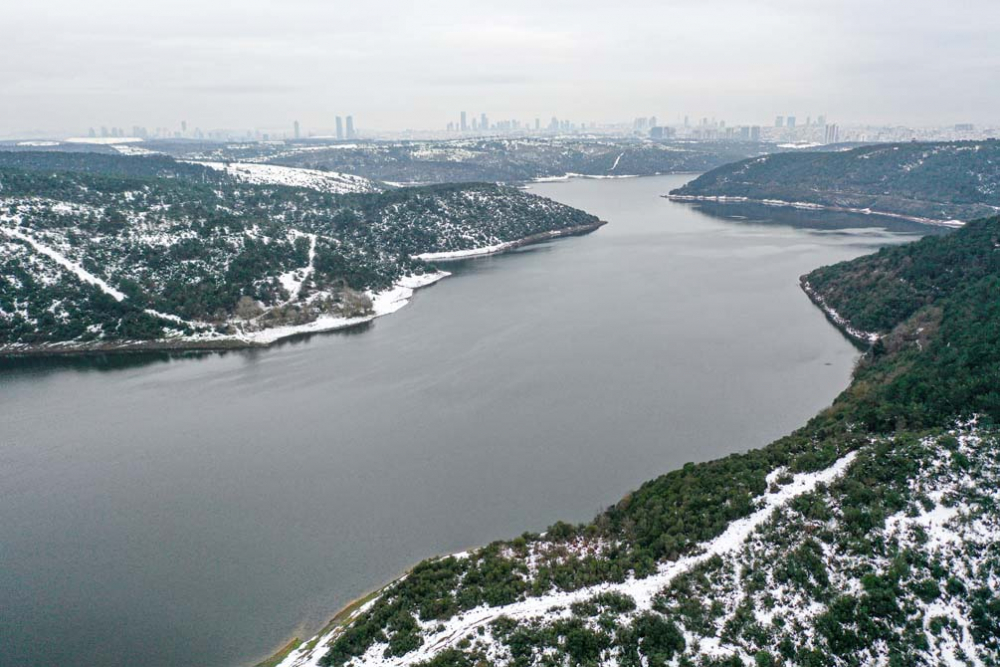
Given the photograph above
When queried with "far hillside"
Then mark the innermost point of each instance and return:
(933, 182)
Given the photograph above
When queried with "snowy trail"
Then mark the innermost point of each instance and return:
(290, 280)
(83, 274)
(617, 160)
(643, 591)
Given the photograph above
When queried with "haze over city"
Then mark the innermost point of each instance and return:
(69, 66)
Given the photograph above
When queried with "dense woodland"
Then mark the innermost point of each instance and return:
(938, 361)
(939, 181)
(185, 243)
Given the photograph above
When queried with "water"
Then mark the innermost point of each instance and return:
(202, 510)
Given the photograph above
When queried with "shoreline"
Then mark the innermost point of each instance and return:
(861, 339)
(385, 303)
(810, 206)
(456, 255)
(303, 653)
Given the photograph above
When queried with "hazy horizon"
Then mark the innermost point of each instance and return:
(69, 66)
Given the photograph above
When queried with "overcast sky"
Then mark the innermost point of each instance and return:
(66, 65)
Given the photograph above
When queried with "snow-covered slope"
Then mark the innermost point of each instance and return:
(792, 583)
(269, 174)
(109, 252)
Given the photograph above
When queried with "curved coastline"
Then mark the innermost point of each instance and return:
(385, 303)
(809, 206)
(455, 255)
(303, 653)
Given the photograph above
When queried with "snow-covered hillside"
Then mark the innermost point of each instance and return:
(269, 174)
(794, 582)
(105, 251)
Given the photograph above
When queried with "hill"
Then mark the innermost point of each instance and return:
(932, 182)
(110, 252)
(868, 536)
(514, 160)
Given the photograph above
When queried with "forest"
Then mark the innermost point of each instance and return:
(936, 364)
(185, 243)
(937, 181)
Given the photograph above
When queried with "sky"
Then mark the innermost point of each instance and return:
(67, 65)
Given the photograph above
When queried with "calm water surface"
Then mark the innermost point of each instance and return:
(201, 511)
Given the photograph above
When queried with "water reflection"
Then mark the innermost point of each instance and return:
(815, 220)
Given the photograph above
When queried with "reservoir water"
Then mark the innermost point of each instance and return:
(202, 510)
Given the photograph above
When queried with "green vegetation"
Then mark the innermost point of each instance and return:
(196, 252)
(938, 361)
(939, 181)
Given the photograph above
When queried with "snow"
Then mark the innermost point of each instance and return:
(292, 280)
(867, 336)
(724, 199)
(37, 143)
(127, 149)
(383, 303)
(270, 174)
(570, 175)
(641, 590)
(496, 248)
(617, 160)
(81, 273)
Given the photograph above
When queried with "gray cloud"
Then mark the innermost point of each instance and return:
(67, 65)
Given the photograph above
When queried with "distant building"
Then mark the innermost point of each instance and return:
(340, 127)
(791, 121)
(464, 124)
(755, 133)
(779, 121)
(350, 127)
(660, 132)
(297, 132)
(484, 122)
(821, 120)
(832, 134)
(964, 127)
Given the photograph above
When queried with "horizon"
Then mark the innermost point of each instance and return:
(397, 69)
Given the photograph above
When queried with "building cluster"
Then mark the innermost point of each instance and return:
(481, 124)
(786, 129)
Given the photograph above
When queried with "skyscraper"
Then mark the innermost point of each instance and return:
(779, 121)
(484, 123)
(340, 127)
(464, 124)
(350, 127)
(297, 133)
(791, 121)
